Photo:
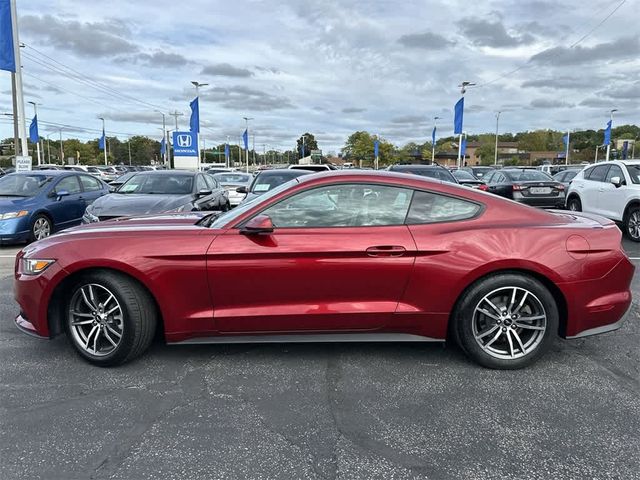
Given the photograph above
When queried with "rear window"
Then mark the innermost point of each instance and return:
(634, 173)
(437, 173)
(429, 207)
(528, 176)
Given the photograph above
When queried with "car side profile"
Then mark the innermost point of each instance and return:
(35, 204)
(610, 189)
(332, 257)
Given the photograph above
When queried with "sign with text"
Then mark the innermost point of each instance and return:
(185, 150)
(23, 164)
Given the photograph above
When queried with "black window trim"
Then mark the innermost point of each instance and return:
(480, 211)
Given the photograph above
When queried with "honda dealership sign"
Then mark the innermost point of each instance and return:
(185, 150)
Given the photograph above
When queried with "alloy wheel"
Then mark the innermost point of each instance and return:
(96, 319)
(633, 224)
(41, 228)
(509, 323)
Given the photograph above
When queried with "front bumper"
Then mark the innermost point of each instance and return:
(14, 230)
(25, 326)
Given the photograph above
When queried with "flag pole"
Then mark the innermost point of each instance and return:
(22, 129)
(566, 156)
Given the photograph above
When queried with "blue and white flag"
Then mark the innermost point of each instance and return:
(625, 149)
(245, 139)
(194, 121)
(101, 142)
(565, 139)
(376, 148)
(457, 119)
(433, 135)
(33, 130)
(226, 151)
(163, 146)
(7, 52)
(607, 134)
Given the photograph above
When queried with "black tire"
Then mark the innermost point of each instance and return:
(632, 223)
(136, 322)
(574, 204)
(517, 342)
(41, 227)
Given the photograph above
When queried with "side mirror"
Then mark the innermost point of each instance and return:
(203, 193)
(617, 181)
(113, 189)
(61, 193)
(242, 190)
(258, 225)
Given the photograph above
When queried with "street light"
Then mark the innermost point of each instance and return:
(433, 141)
(495, 159)
(463, 88)
(35, 113)
(246, 122)
(609, 144)
(105, 140)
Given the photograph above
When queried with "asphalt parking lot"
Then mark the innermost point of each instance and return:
(347, 411)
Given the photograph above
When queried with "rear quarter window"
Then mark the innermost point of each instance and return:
(427, 207)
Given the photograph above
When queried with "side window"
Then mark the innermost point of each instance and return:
(431, 208)
(498, 178)
(614, 171)
(351, 205)
(560, 176)
(487, 177)
(212, 182)
(201, 184)
(70, 184)
(90, 184)
(598, 173)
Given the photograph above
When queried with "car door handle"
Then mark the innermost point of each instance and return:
(386, 251)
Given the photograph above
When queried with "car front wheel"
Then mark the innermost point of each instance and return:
(574, 204)
(41, 228)
(506, 321)
(632, 224)
(111, 319)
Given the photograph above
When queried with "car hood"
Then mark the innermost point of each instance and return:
(9, 204)
(120, 204)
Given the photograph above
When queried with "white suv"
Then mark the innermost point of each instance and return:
(610, 189)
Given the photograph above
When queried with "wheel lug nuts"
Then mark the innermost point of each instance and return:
(504, 329)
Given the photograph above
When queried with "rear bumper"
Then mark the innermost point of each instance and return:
(600, 305)
(543, 202)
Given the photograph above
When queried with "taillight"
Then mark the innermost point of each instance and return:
(483, 187)
(518, 188)
(560, 186)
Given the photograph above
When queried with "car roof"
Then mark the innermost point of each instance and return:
(630, 162)
(51, 173)
(413, 166)
(165, 172)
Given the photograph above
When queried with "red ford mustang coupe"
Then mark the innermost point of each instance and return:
(332, 257)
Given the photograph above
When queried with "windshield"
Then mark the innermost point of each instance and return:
(267, 181)
(634, 173)
(232, 177)
(462, 175)
(158, 184)
(15, 185)
(528, 176)
(229, 216)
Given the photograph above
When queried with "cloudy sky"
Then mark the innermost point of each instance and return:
(328, 67)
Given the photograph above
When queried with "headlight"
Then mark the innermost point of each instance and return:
(33, 266)
(89, 217)
(8, 215)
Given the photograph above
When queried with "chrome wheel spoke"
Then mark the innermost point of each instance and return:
(528, 327)
(86, 300)
(519, 340)
(115, 332)
(490, 342)
(106, 335)
(82, 322)
(88, 339)
(488, 332)
(488, 314)
(507, 333)
(81, 314)
(485, 299)
(524, 297)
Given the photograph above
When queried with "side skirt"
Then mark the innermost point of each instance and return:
(310, 338)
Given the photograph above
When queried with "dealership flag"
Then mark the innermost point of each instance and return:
(463, 146)
(226, 151)
(101, 141)
(245, 139)
(625, 149)
(607, 133)
(7, 52)
(457, 121)
(565, 139)
(376, 148)
(33, 130)
(194, 122)
(433, 136)
(163, 146)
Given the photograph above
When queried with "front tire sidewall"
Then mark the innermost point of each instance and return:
(32, 233)
(626, 224)
(463, 318)
(574, 201)
(133, 317)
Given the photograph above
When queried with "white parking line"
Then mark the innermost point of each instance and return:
(634, 258)
(7, 256)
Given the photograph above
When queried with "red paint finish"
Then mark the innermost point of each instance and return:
(404, 278)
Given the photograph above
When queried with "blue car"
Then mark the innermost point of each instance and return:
(35, 204)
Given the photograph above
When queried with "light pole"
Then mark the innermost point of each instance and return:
(246, 122)
(35, 113)
(304, 137)
(175, 115)
(105, 140)
(433, 141)
(61, 149)
(495, 157)
(49, 147)
(463, 88)
(609, 143)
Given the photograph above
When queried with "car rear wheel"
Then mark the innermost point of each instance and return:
(506, 321)
(111, 319)
(632, 224)
(41, 228)
(574, 204)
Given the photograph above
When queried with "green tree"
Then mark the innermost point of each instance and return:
(359, 149)
(310, 143)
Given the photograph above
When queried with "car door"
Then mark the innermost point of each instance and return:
(590, 189)
(612, 199)
(92, 190)
(338, 259)
(206, 202)
(68, 209)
